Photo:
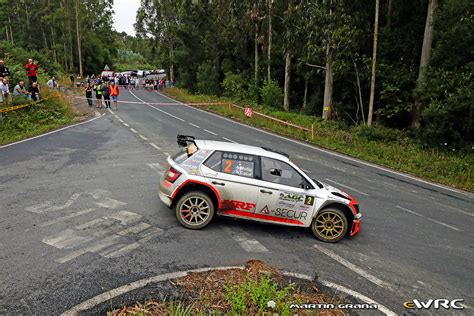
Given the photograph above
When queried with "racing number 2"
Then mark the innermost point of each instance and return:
(228, 166)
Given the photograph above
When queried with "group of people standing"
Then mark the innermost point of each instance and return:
(103, 91)
(20, 90)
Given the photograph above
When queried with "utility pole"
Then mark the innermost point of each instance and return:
(374, 63)
(269, 52)
(78, 39)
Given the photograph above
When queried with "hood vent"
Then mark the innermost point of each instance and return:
(340, 195)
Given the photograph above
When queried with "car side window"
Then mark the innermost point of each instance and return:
(238, 164)
(214, 161)
(280, 172)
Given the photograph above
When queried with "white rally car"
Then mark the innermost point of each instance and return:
(211, 177)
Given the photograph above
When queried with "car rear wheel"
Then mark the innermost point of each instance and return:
(330, 225)
(195, 210)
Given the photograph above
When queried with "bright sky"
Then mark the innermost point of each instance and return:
(125, 13)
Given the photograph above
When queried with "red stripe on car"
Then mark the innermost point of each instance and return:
(261, 216)
(201, 183)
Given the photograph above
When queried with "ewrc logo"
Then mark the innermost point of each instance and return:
(436, 304)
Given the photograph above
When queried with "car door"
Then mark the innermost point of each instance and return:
(285, 195)
(233, 176)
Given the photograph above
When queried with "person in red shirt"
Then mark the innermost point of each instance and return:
(31, 70)
(114, 92)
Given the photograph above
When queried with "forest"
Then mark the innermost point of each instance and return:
(402, 65)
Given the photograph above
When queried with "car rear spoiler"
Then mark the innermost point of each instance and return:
(183, 140)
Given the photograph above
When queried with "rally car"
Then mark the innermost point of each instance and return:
(207, 177)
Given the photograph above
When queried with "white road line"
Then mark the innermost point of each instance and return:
(49, 133)
(178, 118)
(155, 166)
(65, 239)
(359, 296)
(126, 124)
(244, 239)
(352, 267)
(329, 152)
(133, 130)
(46, 207)
(229, 140)
(91, 223)
(307, 171)
(142, 137)
(210, 132)
(134, 229)
(155, 146)
(197, 126)
(63, 218)
(428, 218)
(346, 186)
(121, 121)
(166, 154)
(95, 247)
(123, 250)
(111, 111)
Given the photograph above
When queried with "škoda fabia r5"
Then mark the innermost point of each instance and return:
(208, 177)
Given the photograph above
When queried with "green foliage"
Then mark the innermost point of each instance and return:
(207, 80)
(272, 94)
(254, 295)
(35, 119)
(234, 85)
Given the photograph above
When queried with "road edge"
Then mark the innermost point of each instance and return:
(108, 295)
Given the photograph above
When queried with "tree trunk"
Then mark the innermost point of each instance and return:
(79, 53)
(171, 63)
(10, 25)
(286, 99)
(328, 83)
(269, 52)
(305, 97)
(361, 104)
(425, 59)
(256, 53)
(374, 64)
(389, 14)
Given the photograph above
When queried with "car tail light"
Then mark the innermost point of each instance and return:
(172, 175)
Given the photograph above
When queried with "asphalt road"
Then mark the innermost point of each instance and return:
(79, 215)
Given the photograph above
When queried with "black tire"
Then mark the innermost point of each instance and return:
(330, 224)
(194, 210)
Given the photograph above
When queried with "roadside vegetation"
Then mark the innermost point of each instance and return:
(239, 292)
(51, 113)
(388, 147)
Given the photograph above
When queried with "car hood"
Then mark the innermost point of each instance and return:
(335, 192)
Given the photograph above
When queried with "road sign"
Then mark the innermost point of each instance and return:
(248, 111)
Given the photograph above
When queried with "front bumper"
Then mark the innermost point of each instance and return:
(355, 224)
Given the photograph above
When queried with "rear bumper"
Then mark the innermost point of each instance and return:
(355, 225)
(165, 199)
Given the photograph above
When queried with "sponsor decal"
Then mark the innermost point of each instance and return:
(238, 205)
(291, 197)
(434, 303)
(309, 200)
(284, 212)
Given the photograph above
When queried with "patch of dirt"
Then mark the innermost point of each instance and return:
(205, 292)
(79, 105)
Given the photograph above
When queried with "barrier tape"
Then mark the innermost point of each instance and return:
(16, 107)
(152, 103)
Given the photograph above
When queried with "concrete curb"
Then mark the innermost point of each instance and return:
(101, 298)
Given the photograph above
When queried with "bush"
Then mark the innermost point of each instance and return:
(272, 94)
(207, 79)
(234, 85)
(379, 133)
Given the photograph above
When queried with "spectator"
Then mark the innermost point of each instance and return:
(106, 94)
(33, 91)
(52, 84)
(98, 93)
(31, 68)
(20, 90)
(5, 90)
(88, 91)
(114, 92)
(4, 72)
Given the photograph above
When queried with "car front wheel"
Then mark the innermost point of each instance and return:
(194, 210)
(330, 225)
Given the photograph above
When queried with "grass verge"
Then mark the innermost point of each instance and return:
(386, 147)
(240, 292)
(47, 115)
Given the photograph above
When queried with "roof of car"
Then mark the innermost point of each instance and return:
(240, 148)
